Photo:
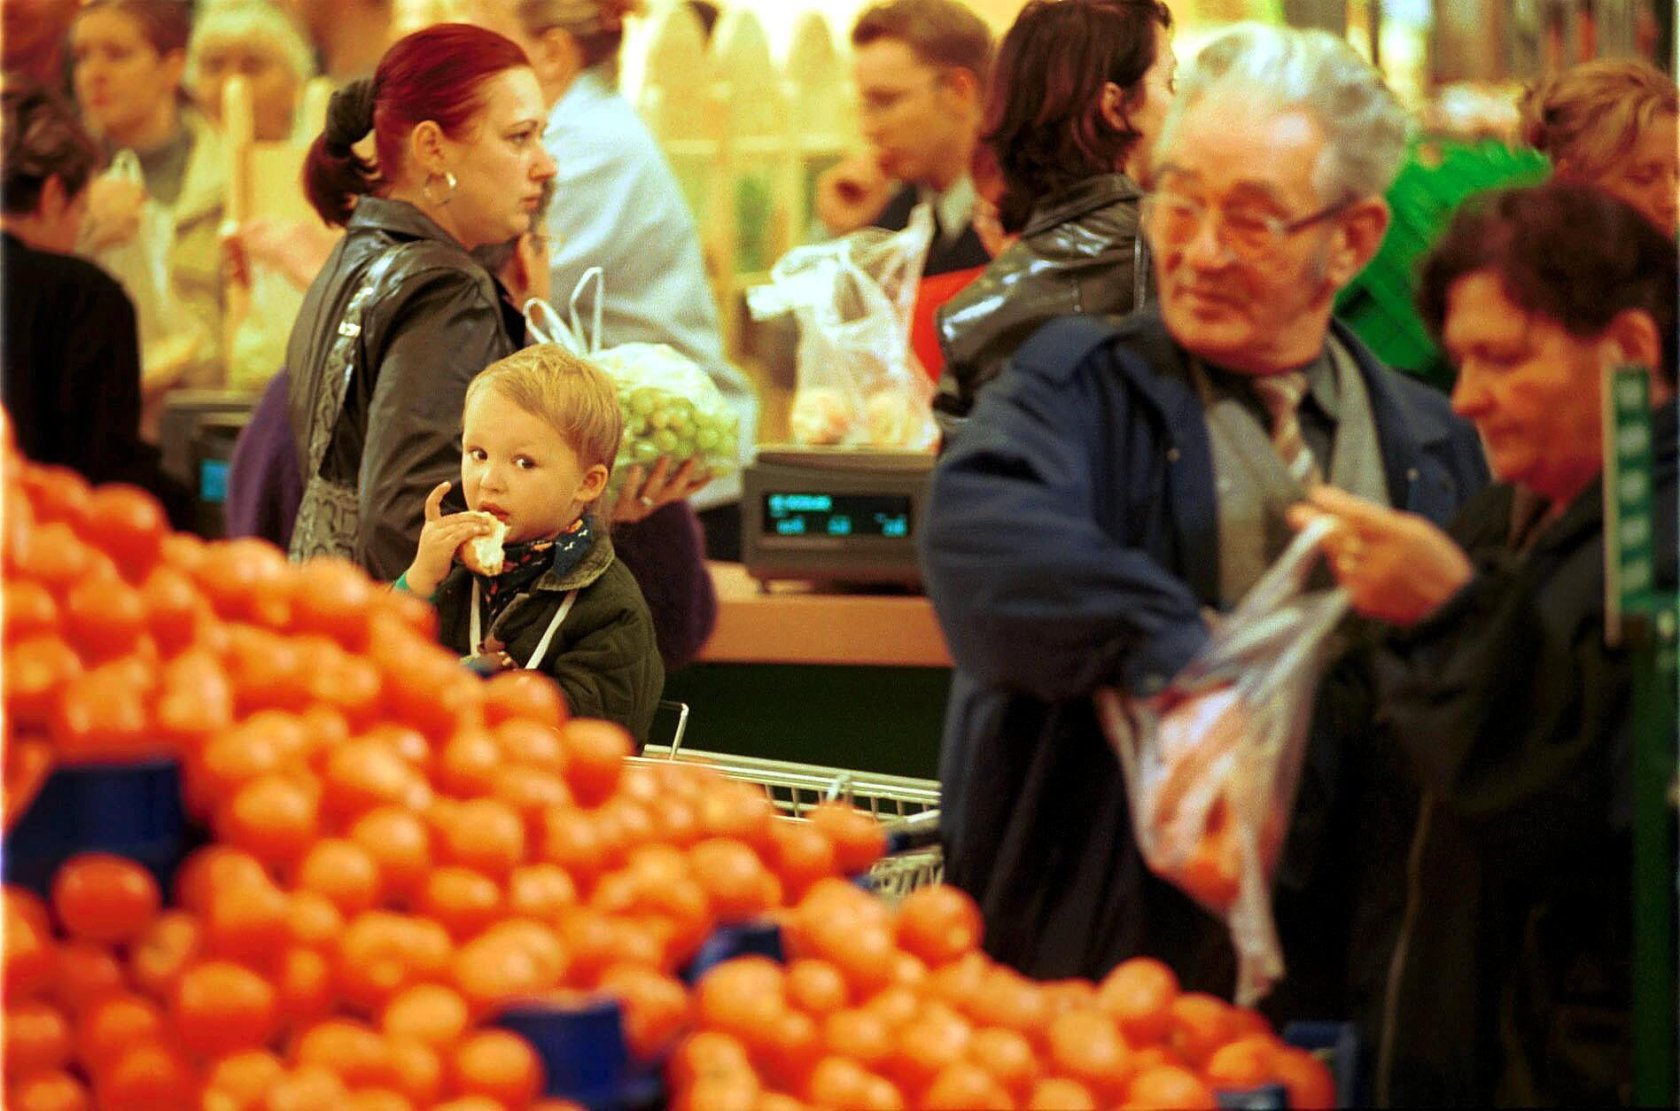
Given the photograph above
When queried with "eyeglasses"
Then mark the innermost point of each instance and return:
(1172, 220)
(881, 102)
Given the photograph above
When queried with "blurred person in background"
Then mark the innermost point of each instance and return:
(349, 36)
(619, 207)
(130, 58)
(71, 345)
(1120, 481)
(1077, 98)
(35, 42)
(1490, 842)
(402, 316)
(255, 40)
(920, 70)
(1612, 124)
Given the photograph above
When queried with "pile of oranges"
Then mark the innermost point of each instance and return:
(891, 1009)
(399, 847)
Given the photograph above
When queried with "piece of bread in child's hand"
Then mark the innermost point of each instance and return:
(483, 555)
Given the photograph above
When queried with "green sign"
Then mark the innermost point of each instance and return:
(1628, 558)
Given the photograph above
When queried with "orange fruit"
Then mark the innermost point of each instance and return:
(313, 920)
(656, 1006)
(858, 839)
(112, 1023)
(1085, 1045)
(499, 1065)
(37, 1039)
(1170, 1086)
(344, 872)
(1201, 1023)
(429, 1013)
(357, 1055)
(938, 923)
(816, 987)
(595, 755)
(1061, 1094)
(244, 1078)
(483, 834)
(220, 1007)
(400, 844)
(858, 1034)
(733, 877)
(1139, 994)
(87, 970)
(48, 1091)
(275, 817)
(146, 1076)
(305, 989)
(1309, 1081)
(542, 892)
(962, 1085)
(419, 1070)
(464, 901)
(104, 898)
(1008, 1056)
(524, 696)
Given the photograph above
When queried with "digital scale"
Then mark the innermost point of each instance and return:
(834, 515)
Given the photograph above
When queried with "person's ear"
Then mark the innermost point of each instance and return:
(963, 86)
(425, 148)
(1633, 338)
(55, 198)
(1112, 103)
(1360, 233)
(174, 66)
(594, 482)
(557, 59)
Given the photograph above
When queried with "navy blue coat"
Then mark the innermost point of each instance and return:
(1071, 542)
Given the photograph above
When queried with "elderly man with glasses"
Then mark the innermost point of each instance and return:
(1120, 482)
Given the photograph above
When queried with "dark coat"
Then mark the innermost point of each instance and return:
(1077, 254)
(1071, 543)
(604, 656)
(1497, 756)
(441, 320)
(72, 375)
(965, 252)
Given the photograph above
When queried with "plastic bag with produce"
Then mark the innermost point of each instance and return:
(859, 383)
(672, 409)
(1211, 763)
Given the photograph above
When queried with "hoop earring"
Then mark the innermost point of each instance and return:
(448, 180)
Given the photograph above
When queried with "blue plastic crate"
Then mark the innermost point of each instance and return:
(132, 810)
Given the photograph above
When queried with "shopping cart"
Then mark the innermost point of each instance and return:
(908, 807)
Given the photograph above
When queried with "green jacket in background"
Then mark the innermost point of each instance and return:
(1438, 175)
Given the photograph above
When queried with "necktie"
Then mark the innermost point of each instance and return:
(1281, 394)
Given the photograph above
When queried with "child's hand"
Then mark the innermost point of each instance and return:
(439, 539)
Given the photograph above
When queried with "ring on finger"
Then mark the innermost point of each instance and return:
(645, 501)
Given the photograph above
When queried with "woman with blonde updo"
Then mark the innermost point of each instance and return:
(1612, 124)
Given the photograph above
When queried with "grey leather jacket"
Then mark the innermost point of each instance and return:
(437, 319)
(1079, 253)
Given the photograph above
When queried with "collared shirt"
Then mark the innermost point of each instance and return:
(952, 209)
(1321, 409)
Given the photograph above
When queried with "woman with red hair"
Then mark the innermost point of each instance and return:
(402, 317)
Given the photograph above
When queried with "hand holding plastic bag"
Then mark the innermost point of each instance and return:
(859, 383)
(1212, 763)
(671, 407)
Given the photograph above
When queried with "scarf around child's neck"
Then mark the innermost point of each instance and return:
(523, 564)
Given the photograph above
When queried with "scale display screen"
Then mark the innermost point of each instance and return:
(837, 515)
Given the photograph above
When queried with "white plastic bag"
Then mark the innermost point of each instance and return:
(169, 337)
(671, 407)
(859, 383)
(1212, 763)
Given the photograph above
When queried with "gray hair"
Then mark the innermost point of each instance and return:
(256, 20)
(1280, 69)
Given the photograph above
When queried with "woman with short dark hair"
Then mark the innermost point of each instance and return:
(1489, 854)
(1078, 94)
(72, 354)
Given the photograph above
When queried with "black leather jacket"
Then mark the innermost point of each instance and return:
(1079, 253)
(440, 320)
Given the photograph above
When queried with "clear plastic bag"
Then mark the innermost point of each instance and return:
(671, 407)
(859, 383)
(1212, 763)
(170, 339)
